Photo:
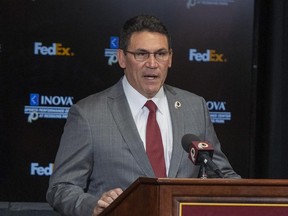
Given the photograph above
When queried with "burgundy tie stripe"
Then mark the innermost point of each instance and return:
(154, 145)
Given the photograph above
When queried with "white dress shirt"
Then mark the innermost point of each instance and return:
(140, 114)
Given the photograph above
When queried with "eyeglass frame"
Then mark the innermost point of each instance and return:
(149, 53)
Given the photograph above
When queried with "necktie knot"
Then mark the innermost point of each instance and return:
(151, 106)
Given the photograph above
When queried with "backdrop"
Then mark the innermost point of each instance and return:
(271, 148)
(53, 53)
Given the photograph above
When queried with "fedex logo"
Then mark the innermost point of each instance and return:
(207, 56)
(56, 49)
(41, 171)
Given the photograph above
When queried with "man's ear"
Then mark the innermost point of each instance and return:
(170, 58)
(121, 58)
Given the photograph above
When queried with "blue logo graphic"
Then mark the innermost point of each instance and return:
(34, 99)
(46, 106)
(111, 52)
(114, 42)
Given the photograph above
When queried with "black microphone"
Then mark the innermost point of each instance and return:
(200, 152)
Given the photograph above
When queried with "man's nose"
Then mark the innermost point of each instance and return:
(151, 61)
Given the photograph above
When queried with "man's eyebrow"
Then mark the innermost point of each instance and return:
(144, 50)
(141, 50)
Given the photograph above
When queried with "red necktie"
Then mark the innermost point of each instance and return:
(154, 145)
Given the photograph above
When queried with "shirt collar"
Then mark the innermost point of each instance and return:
(136, 100)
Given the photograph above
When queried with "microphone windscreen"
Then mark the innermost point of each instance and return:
(187, 140)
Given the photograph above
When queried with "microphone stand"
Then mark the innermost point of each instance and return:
(203, 170)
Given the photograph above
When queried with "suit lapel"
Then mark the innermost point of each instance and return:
(177, 118)
(120, 111)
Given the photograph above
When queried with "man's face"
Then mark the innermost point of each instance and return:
(146, 76)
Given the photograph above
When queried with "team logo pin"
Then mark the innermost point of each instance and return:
(177, 104)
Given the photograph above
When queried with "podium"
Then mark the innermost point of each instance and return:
(202, 197)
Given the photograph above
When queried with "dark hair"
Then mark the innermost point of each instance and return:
(141, 23)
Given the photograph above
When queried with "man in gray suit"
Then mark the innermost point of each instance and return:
(103, 147)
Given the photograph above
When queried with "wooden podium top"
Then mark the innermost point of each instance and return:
(215, 181)
(161, 196)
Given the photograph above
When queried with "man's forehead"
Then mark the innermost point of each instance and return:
(146, 38)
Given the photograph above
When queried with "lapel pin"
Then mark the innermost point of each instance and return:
(177, 104)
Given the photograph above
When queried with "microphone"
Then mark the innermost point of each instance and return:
(200, 152)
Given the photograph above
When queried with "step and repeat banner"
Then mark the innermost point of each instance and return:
(53, 53)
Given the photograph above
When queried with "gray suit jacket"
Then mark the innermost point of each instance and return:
(101, 149)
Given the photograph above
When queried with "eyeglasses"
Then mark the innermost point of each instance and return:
(160, 56)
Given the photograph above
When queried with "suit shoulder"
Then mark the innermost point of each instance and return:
(93, 101)
(101, 97)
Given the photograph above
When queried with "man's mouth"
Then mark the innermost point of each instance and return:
(151, 77)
